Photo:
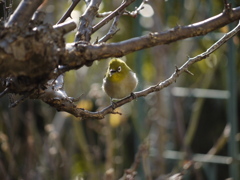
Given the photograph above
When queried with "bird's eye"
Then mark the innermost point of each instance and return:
(119, 69)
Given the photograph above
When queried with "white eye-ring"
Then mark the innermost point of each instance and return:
(119, 69)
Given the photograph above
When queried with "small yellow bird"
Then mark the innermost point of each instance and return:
(119, 81)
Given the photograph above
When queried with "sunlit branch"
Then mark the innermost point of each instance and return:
(69, 11)
(112, 31)
(80, 54)
(137, 9)
(84, 31)
(115, 13)
(24, 12)
(178, 71)
(79, 112)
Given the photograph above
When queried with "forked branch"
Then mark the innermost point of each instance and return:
(63, 105)
(24, 12)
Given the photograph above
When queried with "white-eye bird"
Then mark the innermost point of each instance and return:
(119, 81)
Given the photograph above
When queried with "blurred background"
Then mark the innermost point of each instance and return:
(190, 127)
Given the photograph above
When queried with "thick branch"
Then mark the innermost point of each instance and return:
(85, 28)
(79, 54)
(66, 27)
(78, 112)
(183, 68)
(48, 48)
(24, 12)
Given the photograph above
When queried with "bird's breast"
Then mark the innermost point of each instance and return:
(122, 87)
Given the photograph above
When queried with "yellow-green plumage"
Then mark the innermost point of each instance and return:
(119, 81)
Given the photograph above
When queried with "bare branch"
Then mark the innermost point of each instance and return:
(220, 143)
(112, 31)
(182, 69)
(24, 97)
(115, 13)
(222, 140)
(78, 112)
(24, 12)
(125, 12)
(66, 27)
(132, 172)
(80, 54)
(4, 92)
(136, 11)
(39, 16)
(69, 11)
(104, 14)
(118, 12)
(85, 28)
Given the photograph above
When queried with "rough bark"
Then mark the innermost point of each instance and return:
(33, 55)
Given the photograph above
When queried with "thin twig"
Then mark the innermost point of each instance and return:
(220, 143)
(115, 13)
(112, 31)
(131, 172)
(78, 112)
(122, 48)
(4, 92)
(25, 96)
(137, 9)
(69, 11)
(132, 13)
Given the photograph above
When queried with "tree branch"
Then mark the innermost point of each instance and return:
(5, 91)
(112, 31)
(137, 9)
(85, 28)
(69, 11)
(115, 13)
(132, 171)
(66, 27)
(80, 54)
(21, 78)
(66, 105)
(23, 13)
(29, 58)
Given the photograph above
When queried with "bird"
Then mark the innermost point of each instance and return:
(119, 81)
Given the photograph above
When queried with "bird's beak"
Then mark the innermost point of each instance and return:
(112, 71)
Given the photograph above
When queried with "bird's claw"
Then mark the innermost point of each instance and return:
(113, 105)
